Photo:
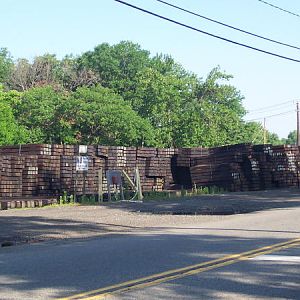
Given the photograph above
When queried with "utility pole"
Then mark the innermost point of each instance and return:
(265, 132)
(298, 126)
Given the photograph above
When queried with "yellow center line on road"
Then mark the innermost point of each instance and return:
(181, 272)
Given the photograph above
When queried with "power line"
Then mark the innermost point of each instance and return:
(277, 7)
(226, 25)
(207, 33)
(272, 107)
(270, 110)
(270, 116)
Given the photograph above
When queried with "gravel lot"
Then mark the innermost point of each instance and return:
(48, 223)
(76, 222)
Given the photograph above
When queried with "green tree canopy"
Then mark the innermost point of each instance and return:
(121, 95)
(291, 138)
(161, 99)
(6, 65)
(116, 65)
(10, 132)
(38, 110)
(98, 115)
(215, 118)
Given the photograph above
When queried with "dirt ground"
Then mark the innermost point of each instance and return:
(77, 222)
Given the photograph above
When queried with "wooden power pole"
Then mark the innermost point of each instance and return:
(298, 126)
(265, 132)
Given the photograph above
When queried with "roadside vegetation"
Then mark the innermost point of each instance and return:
(119, 95)
(183, 194)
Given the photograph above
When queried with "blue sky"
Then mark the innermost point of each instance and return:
(35, 27)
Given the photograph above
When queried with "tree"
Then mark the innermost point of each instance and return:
(216, 117)
(166, 65)
(37, 110)
(73, 75)
(117, 65)
(99, 116)
(252, 132)
(11, 98)
(273, 138)
(120, 95)
(291, 138)
(47, 70)
(160, 98)
(10, 131)
(42, 72)
(6, 65)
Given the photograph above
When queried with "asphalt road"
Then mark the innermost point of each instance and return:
(232, 258)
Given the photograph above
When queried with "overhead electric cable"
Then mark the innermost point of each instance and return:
(272, 107)
(207, 33)
(270, 116)
(270, 110)
(226, 25)
(282, 9)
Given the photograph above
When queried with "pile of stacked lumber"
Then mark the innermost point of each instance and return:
(11, 176)
(279, 165)
(219, 166)
(30, 176)
(43, 169)
(144, 163)
(46, 170)
(154, 164)
(244, 167)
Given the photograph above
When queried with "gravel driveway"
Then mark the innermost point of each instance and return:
(76, 222)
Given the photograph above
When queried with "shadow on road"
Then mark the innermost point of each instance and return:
(70, 268)
(52, 270)
(21, 229)
(221, 204)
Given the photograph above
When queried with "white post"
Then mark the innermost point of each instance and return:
(138, 184)
(100, 186)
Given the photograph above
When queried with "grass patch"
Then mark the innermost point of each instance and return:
(183, 193)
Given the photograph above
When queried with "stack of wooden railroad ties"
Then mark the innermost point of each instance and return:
(34, 175)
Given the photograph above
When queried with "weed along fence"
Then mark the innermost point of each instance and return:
(50, 170)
